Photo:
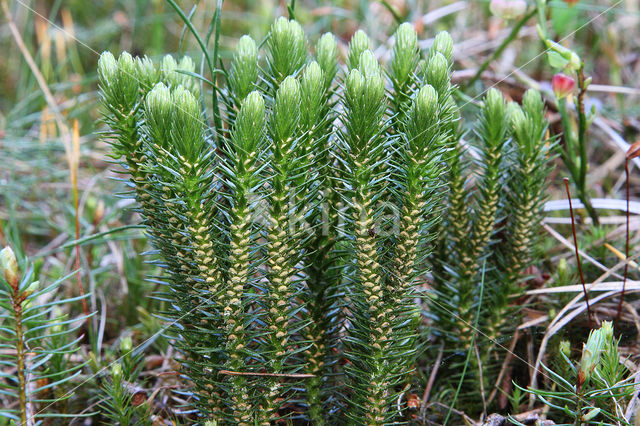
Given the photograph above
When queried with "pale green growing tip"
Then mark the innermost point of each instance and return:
(56, 316)
(327, 50)
(443, 43)
(562, 267)
(427, 101)
(9, 266)
(286, 111)
(438, 64)
(158, 100)
(126, 64)
(126, 344)
(253, 104)
(376, 84)
(532, 102)
(286, 28)
(327, 57)
(184, 100)
(287, 48)
(437, 72)
(406, 38)
(369, 85)
(245, 67)
(116, 372)
(565, 347)
(607, 331)
(249, 124)
(284, 31)
(247, 49)
(107, 68)
(289, 91)
(168, 65)
(33, 287)
(144, 64)
(405, 54)
(360, 41)
(596, 343)
(296, 29)
(591, 414)
(312, 88)
(146, 71)
(355, 82)
(186, 64)
(494, 103)
(313, 76)
(358, 44)
(368, 64)
(516, 115)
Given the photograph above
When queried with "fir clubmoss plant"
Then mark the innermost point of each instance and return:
(296, 236)
(387, 256)
(284, 239)
(181, 181)
(241, 170)
(523, 208)
(35, 343)
(491, 231)
(321, 262)
(362, 151)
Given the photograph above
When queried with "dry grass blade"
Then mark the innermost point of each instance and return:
(606, 286)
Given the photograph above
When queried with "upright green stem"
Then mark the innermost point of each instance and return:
(582, 142)
(578, 421)
(577, 169)
(512, 36)
(396, 16)
(22, 382)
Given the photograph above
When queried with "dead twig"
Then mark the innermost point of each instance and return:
(505, 365)
(432, 379)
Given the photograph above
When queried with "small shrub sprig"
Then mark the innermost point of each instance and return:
(36, 339)
(594, 390)
(121, 404)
